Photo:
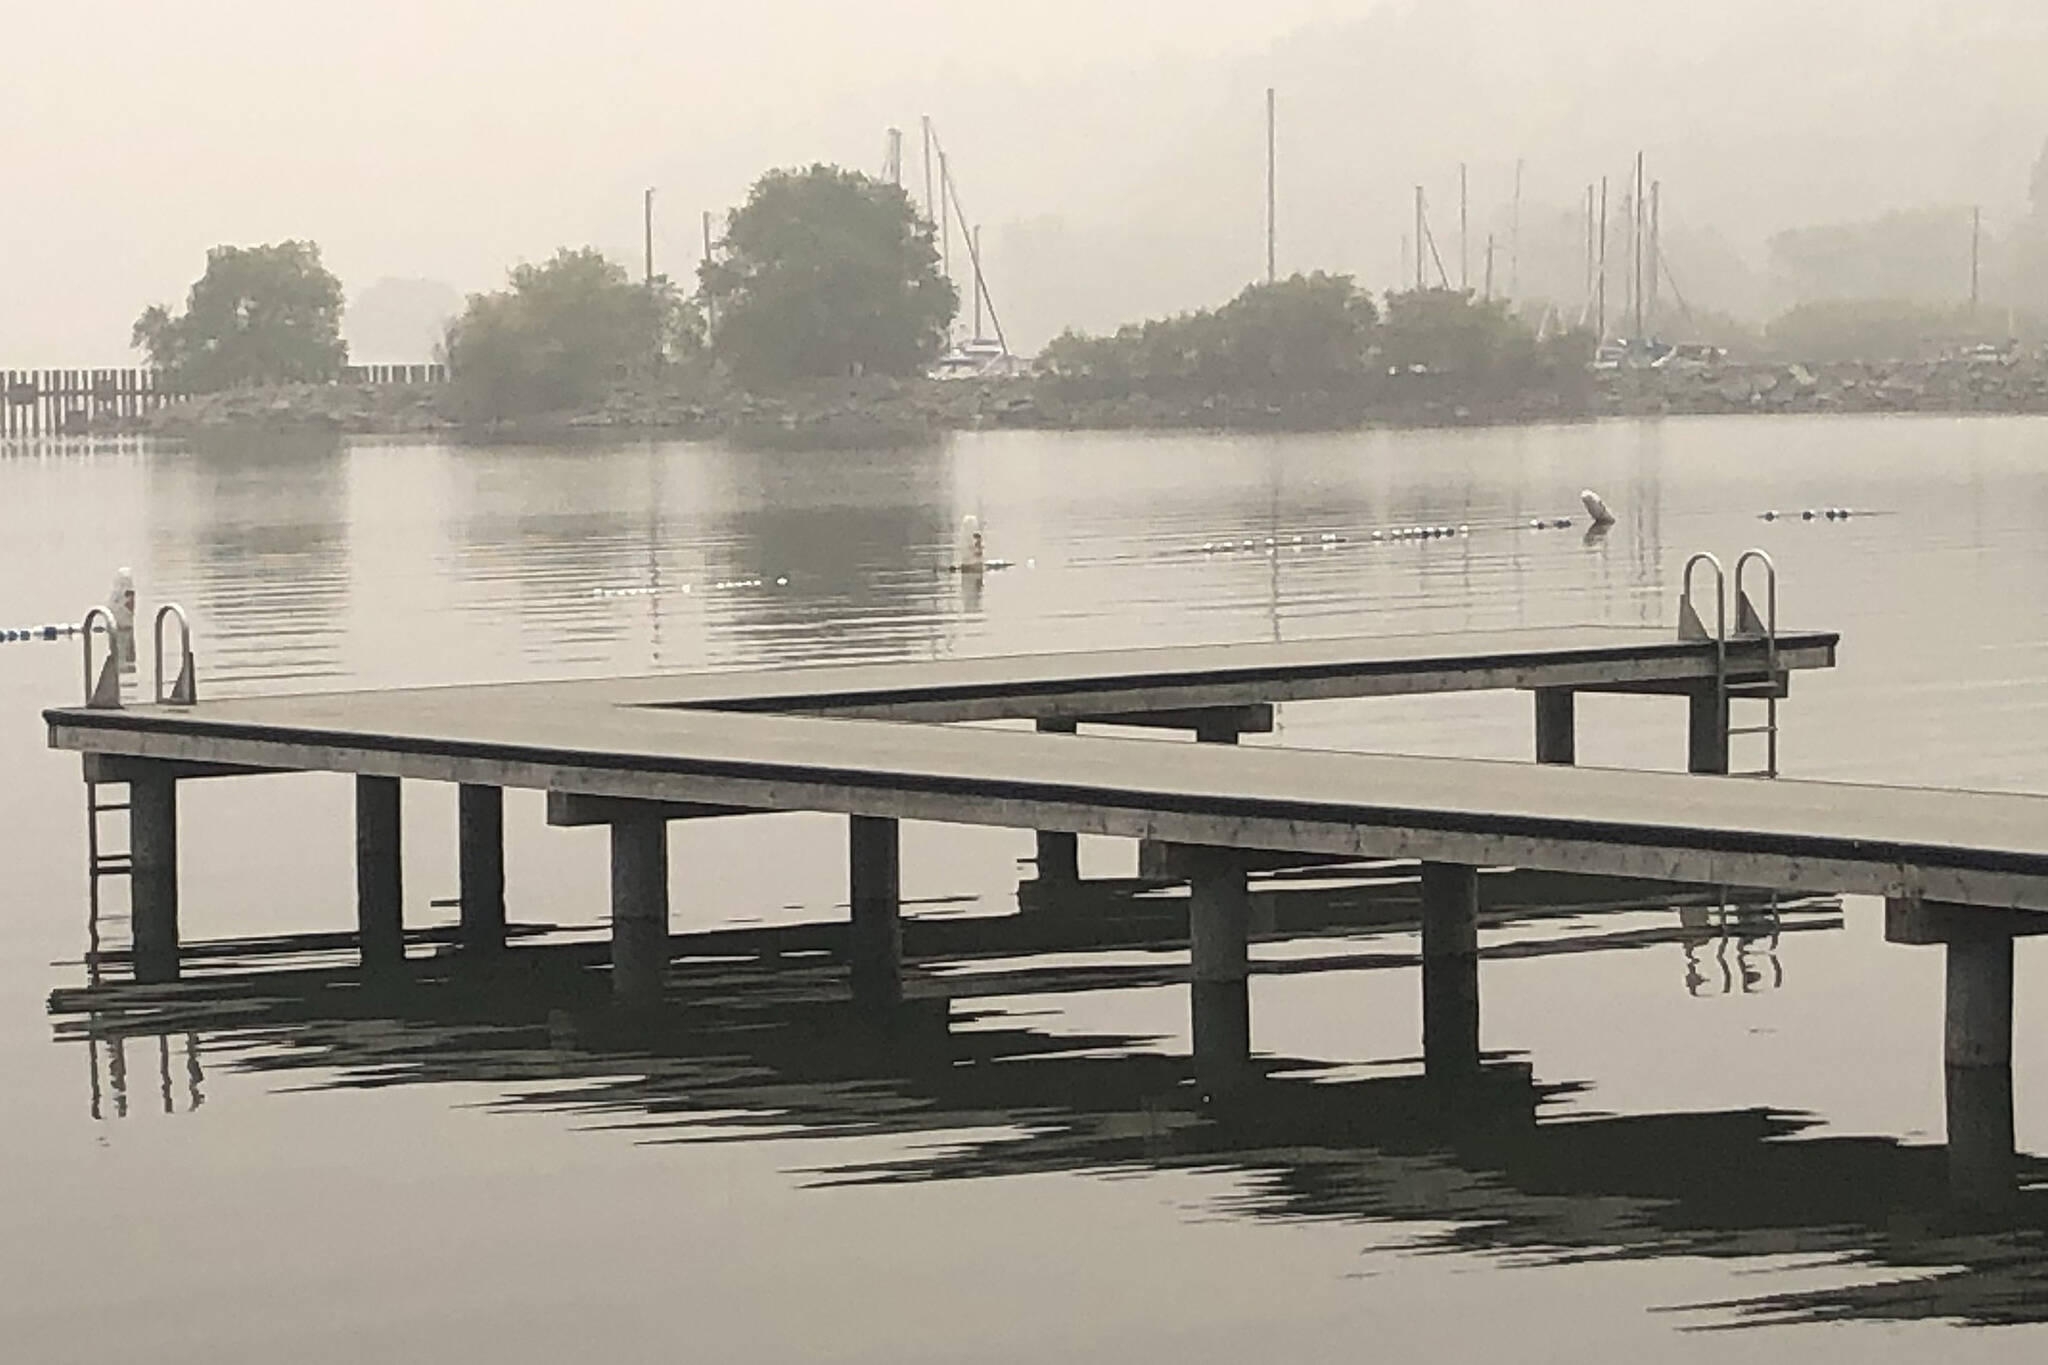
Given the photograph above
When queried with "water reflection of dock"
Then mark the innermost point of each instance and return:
(1485, 1159)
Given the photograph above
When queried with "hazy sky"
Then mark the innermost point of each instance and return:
(1112, 147)
(449, 138)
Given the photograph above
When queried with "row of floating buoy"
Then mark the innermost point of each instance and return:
(723, 585)
(1809, 514)
(27, 633)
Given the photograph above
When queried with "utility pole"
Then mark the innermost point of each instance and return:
(892, 158)
(647, 233)
(928, 206)
(1587, 314)
(1272, 185)
(1976, 253)
(1419, 235)
(1636, 233)
(710, 304)
(1600, 295)
(1489, 267)
(945, 221)
(1464, 236)
(1515, 237)
(1656, 247)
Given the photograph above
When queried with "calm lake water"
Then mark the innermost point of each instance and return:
(1689, 1133)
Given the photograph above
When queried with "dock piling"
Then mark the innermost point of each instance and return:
(481, 834)
(1450, 969)
(380, 895)
(639, 908)
(1556, 725)
(1706, 748)
(1059, 854)
(1977, 1053)
(875, 939)
(1156, 858)
(1219, 955)
(153, 843)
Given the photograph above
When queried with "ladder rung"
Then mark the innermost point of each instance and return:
(1753, 730)
(101, 810)
(113, 867)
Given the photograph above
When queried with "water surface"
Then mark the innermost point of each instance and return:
(1677, 1134)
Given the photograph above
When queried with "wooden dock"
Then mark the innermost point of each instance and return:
(874, 742)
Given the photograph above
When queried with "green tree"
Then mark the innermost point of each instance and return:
(258, 315)
(560, 334)
(826, 272)
(1300, 334)
(1449, 331)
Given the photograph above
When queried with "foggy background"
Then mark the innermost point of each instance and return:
(1114, 152)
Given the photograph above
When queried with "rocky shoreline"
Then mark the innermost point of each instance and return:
(871, 412)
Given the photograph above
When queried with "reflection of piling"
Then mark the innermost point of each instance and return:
(1978, 1058)
(875, 938)
(1450, 969)
(380, 890)
(1976, 1034)
(639, 856)
(1219, 957)
(481, 834)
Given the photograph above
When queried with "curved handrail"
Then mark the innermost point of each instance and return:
(1770, 617)
(1720, 591)
(105, 693)
(184, 688)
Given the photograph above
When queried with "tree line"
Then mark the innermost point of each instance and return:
(823, 272)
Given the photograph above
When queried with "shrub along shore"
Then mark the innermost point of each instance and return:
(877, 411)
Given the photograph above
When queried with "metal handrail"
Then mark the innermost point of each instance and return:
(1720, 605)
(105, 693)
(185, 687)
(1769, 621)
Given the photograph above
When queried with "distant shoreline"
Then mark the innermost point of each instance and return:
(870, 412)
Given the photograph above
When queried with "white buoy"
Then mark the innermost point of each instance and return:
(1596, 507)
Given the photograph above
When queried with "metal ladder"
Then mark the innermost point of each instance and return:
(1750, 624)
(103, 693)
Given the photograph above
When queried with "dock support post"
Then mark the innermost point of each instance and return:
(481, 832)
(153, 846)
(1155, 856)
(380, 895)
(1450, 970)
(639, 909)
(1219, 955)
(1977, 1054)
(875, 938)
(1059, 854)
(1556, 725)
(1706, 746)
